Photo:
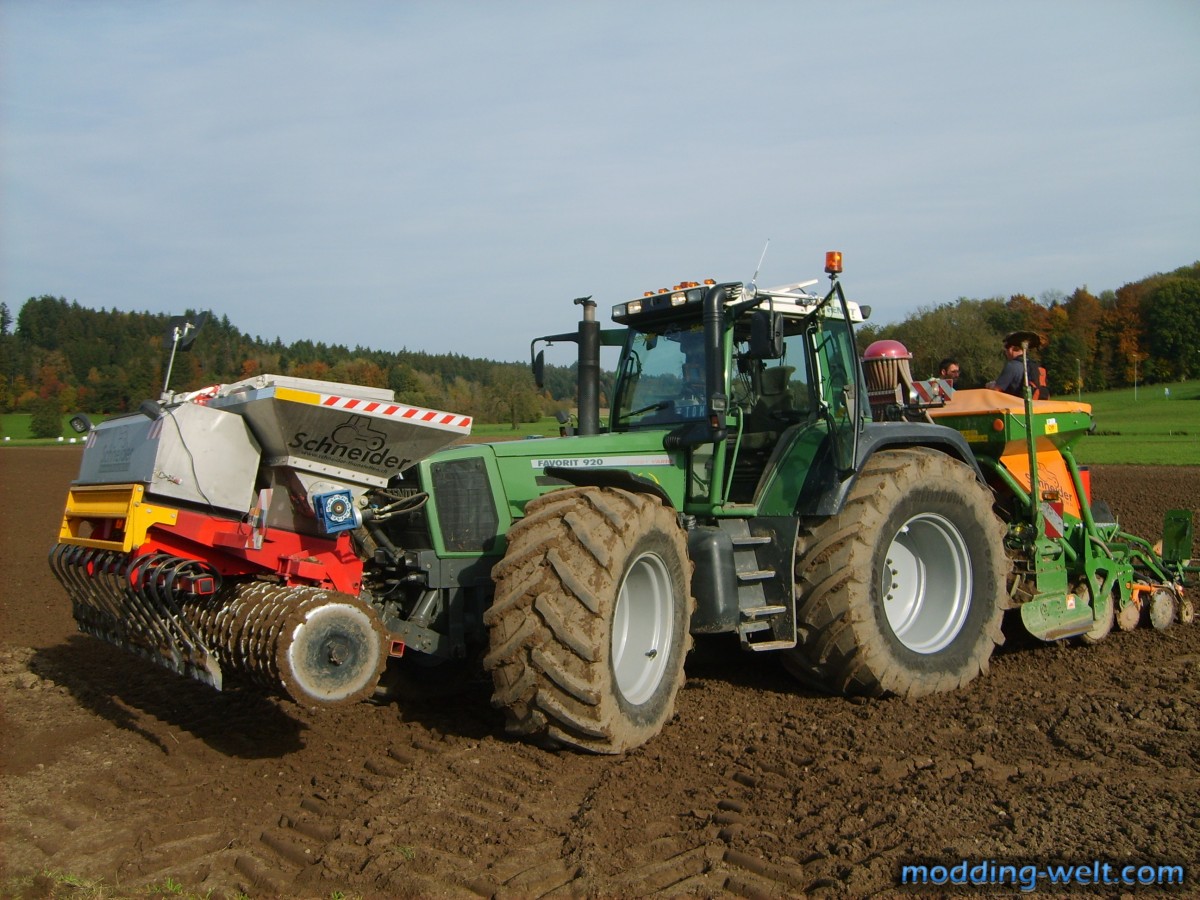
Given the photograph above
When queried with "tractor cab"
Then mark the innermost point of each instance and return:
(733, 373)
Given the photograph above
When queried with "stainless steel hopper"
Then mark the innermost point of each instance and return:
(343, 432)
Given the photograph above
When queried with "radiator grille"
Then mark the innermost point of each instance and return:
(466, 511)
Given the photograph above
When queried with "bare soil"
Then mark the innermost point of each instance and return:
(117, 770)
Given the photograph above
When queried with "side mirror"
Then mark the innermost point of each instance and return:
(565, 429)
(539, 369)
(80, 423)
(766, 334)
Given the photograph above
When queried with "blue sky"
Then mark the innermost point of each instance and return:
(448, 176)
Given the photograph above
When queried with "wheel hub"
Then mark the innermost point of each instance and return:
(642, 624)
(926, 583)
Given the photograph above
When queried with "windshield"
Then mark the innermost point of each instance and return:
(663, 380)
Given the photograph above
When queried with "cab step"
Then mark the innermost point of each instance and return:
(762, 554)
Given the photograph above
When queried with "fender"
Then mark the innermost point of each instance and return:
(825, 492)
(612, 478)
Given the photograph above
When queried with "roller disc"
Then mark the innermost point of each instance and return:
(1187, 611)
(1127, 619)
(1162, 609)
(333, 654)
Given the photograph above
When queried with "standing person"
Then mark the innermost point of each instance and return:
(1011, 379)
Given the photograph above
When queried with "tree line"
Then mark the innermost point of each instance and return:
(1147, 331)
(58, 357)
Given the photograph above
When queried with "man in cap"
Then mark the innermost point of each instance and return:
(1011, 379)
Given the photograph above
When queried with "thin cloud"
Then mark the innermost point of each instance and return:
(447, 177)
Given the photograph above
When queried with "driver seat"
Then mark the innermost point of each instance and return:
(769, 415)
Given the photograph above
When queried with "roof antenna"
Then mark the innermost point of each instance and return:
(758, 268)
(750, 291)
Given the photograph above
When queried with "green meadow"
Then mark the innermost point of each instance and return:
(1156, 425)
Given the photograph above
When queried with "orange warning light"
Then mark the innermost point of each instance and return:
(833, 262)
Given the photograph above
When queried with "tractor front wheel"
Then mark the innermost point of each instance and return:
(589, 626)
(902, 592)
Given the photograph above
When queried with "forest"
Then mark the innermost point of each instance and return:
(1145, 332)
(57, 356)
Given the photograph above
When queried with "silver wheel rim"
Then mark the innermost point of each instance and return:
(926, 583)
(643, 623)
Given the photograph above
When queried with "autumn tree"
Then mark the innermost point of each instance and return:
(511, 395)
(359, 371)
(1123, 324)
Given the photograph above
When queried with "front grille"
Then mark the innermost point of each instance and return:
(465, 508)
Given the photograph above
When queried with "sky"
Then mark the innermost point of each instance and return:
(448, 176)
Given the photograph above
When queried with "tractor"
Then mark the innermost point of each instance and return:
(753, 477)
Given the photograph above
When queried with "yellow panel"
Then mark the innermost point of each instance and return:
(90, 502)
(283, 393)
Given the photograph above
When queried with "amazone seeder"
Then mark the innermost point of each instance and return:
(754, 478)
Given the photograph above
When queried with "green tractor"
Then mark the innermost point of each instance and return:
(754, 477)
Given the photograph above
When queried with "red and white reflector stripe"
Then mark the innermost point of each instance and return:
(1052, 517)
(416, 414)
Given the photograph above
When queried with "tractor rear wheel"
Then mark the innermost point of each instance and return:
(903, 592)
(589, 626)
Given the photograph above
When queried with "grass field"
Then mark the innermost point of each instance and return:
(1147, 427)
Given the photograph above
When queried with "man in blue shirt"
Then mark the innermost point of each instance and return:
(1011, 379)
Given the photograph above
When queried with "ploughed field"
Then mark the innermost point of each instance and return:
(115, 769)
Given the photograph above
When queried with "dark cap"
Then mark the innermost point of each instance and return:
(1017, 338)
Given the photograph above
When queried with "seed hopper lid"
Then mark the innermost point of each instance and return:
(343, 431)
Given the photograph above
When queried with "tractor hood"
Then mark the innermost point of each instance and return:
(505, 475)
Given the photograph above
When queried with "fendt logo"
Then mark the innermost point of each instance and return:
(353, 441)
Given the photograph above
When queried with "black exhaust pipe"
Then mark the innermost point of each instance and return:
(589, 368)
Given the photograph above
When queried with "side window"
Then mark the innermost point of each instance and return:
(796, 356)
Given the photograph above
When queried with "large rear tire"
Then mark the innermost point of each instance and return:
(903, 592)
(588, 629)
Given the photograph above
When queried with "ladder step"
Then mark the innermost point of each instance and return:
(750, 540)
(753, 626)
(770, 645)
(756, 575)
(757, 612)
